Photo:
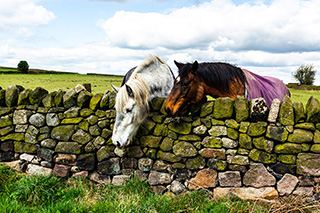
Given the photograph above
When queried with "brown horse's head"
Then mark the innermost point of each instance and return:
(187, 91)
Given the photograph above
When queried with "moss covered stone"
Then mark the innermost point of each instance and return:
(48, 100)
(23, 98)
(241, 108)
(6, 130)
(262, 157)
(4, 110)
(184, 149)
(238, 159)
(278, 133)
(263, 144)
(243, 128)
(299, 112)
(288, 148)
(112, 99)
(13, 136)
(70, 98)
(160, 130)
(206, 108)
(5, 121)
(315, 148)
(286, 113)
(307, 126)
(58, 99)
(86, 112)
(156, 103)
(95, 100)
(189, 138)
(81, 137)
(83, 99)
(103, 153)
(21, 147)
(316, 137)
(71, 120)
(167, 156)
(232, 133)
(212, 142)
(12, 94)
(63, 133)
(300, 136)
(182, 128)
(150, 141)
(245, 141)
(223, 108)
(218, 131)
(166, 144)
(36, 96)
(104, 103)
(257, 129)
(308, 164)
(217, 164)
(84, 125)
(287, 159)
(68, 147)
(2, 98)
(313, 110)
(195, 163)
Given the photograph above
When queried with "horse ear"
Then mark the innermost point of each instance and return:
(129, 91)
(178, 64)
(195, 67)
(115, 89)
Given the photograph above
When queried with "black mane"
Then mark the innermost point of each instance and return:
(217, 75)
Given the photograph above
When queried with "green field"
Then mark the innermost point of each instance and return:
(54, 82)
(99, 83)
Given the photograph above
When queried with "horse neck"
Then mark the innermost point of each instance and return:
(236, 88)
(159, 80)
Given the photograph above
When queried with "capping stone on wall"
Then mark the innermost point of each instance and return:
(236, 147)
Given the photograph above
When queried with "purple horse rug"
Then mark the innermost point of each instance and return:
(266, 87)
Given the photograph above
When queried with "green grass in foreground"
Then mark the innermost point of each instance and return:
(20, 193)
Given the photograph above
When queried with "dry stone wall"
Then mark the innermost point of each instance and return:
(236, 147)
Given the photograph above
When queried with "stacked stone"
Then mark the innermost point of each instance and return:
(237, 147)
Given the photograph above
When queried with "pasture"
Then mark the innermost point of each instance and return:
(99, 83)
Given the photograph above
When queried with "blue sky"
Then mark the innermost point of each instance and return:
(268, 37)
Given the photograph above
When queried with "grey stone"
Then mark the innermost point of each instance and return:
(52, 119)
(229, 178)
(120, 179)
(158, 178)
(21, 116)
(33, 169)
(258, 176)
(177, 188)
(274, 110)
(287, 184)
(37, 120)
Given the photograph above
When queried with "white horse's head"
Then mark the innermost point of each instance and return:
(132, 109)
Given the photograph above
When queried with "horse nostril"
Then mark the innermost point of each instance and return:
(118, 144)
(168, 111)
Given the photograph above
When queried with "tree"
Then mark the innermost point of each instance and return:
(305, 74)
(23, 66)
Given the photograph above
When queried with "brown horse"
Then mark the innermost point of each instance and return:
(219, 80)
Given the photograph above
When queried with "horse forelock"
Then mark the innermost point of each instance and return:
(140, 90)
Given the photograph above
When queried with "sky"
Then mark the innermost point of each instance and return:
(267, 37)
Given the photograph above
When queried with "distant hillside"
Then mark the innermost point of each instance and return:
(11, 70)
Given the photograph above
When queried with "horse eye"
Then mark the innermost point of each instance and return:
(129, 110)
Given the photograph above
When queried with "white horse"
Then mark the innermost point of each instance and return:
(153, 78)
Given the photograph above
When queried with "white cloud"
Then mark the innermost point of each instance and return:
(21, 13)
(282, 26)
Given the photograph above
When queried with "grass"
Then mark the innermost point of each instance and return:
(21, 193)
(54, 82)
